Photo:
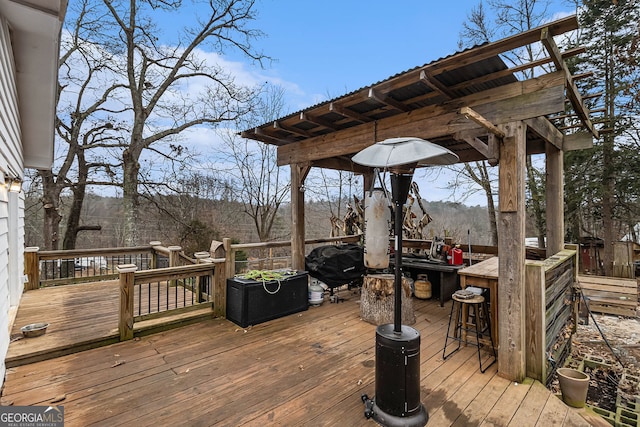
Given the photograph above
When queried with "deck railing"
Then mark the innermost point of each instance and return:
(52, 268)
(151, 294)
(270, 255)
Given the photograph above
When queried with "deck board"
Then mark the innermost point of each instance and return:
(306, 369)
(80, 317)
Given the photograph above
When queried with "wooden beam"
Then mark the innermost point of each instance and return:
(291, 129)
(317, 121)
(387, 100)
(258, 135)
(546, 37)
(435, 84)
(299, 172)
(510, 71)
(536, 358)
(494, 150)
(469, 113)
(516, 101)
(474, 142)
(560, 26)
(554, 195)
(574, 115)
(546, 130)
(348, 113)
(582, 75)
(577, 141)
(511, 263)
(341, 163)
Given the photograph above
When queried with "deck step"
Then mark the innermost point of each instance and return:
(610, 295)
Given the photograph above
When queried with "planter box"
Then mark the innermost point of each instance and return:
(250, 302)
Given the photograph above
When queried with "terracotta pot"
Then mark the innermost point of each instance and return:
(574, 386)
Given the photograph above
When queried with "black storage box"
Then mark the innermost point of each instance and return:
(250, 302)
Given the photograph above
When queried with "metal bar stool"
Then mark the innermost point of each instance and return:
(471, 317)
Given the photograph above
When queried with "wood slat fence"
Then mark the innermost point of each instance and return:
(551, 310)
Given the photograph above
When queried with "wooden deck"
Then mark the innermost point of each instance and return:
(308, 368)
(80, 317)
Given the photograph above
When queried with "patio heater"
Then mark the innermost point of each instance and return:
(397, 398)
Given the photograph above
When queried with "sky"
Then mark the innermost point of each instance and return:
(324, 49)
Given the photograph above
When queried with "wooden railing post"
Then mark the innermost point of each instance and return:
(127, 280)
(154, 253)
(229, 259)
(32, 267)
(174, 255)
(202, 258)
(535, 325)
(220, 290)
(174, 260)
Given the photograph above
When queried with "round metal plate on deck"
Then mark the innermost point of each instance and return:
(34, 330)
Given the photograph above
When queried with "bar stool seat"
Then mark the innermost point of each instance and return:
(471, 317)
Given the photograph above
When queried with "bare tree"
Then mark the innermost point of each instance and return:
(82, 124)
(157, 75)
(511, 17)
(259, 183)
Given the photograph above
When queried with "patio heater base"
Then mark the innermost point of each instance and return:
(397, 400)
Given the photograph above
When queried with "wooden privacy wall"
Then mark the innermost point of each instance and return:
(550, 311)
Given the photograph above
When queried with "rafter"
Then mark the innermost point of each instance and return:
(291, 129)
(317, 120)
(474, 116)
(435, 84)
(546, 130)
(346, 112)
(387, 100)
(573, 94)
(516, 101)
(474, 142)
(259, 135)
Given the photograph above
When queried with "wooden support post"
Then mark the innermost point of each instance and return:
(219, 291)
(555, 200)
(536, 337)
(174, 255)
(368, 180)
(229, 259)
(511, 271)
(154, 253)
(174, 261)
(299, 172)
(577, 296)
(127, 280)
(202, 258)
(32, 268)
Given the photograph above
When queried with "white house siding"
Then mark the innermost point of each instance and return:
(11, 204)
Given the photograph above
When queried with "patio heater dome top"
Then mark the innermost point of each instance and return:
(402, 151)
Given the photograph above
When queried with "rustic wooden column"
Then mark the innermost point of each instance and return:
(511, 270)
(229, 259)
(174, 255)
(32, 267)
(368, 179)
(219, 291)
(555, 199)
(299, 173)
(154, 253)
(127, 280)
(202, 258)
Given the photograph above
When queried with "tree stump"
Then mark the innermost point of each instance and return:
(377, 301)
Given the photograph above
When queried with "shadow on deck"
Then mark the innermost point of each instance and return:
(309, 368)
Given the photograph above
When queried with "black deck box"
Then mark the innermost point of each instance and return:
(250, 302)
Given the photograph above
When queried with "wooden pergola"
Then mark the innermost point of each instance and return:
(476, 106)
